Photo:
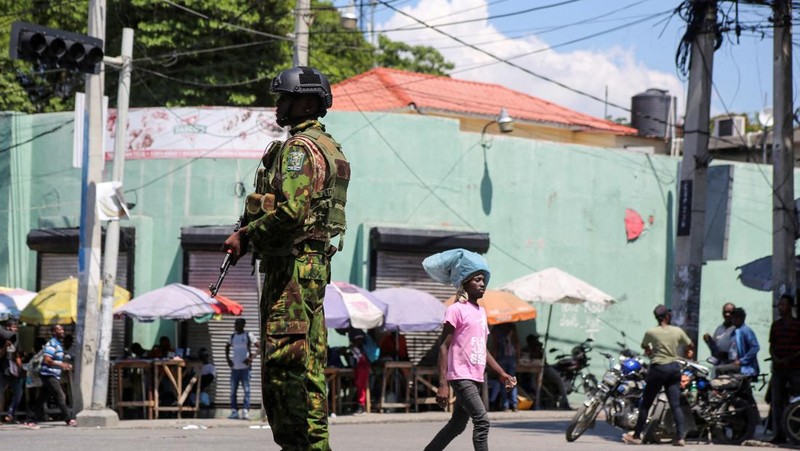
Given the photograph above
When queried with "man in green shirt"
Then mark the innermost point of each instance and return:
(661, 345)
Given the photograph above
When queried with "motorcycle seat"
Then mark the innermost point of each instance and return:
(567, 364)
(727, 382)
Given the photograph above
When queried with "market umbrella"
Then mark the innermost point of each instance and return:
(13, 301)
(225, 305)
(174, 301)
(554, 286)
(58, 303)
(348, 305)
(758, 273)
(503, 307)
(411, 310)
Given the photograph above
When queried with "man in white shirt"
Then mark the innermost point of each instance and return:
(242, 343)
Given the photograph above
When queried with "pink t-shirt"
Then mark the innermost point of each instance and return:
(467, 356)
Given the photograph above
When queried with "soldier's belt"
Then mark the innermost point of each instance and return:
(312, 246)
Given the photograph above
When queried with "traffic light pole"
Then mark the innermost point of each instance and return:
(302, 12)
(783, 215)
(692, 196)
(111, 251)
(89, 252)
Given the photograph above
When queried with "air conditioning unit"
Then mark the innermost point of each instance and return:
(729, 126)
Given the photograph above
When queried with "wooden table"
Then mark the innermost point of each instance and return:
(122, 369)
(533, 367)
(340, 387)
(389, 373)
(173, 369)
(428, 378)
(332, 379)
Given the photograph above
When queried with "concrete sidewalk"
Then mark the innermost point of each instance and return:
(371, 418)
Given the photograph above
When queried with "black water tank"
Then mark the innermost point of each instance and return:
(650, 112)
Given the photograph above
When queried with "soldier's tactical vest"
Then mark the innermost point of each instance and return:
(327, 217)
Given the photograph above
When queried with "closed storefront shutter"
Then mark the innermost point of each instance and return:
(202, 268)
(404, 269)
(55, 267)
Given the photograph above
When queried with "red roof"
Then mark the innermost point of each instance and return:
(383, 89)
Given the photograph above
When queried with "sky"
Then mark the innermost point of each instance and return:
(622, 46)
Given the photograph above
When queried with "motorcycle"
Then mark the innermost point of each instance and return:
(617, 395)
(721, 409)
(571, 368)
(791, 420)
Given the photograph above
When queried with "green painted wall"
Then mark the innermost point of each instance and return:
(544, 204)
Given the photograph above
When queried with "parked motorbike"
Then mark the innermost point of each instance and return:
(571, 368)
(791, 420)
(721, 410)
(617, 395)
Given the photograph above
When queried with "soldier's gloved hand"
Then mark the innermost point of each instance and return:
(236, 243)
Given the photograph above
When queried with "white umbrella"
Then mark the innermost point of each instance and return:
(13, 301)
(554, 286)
(174, 301)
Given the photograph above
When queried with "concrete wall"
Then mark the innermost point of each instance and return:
(544, 204)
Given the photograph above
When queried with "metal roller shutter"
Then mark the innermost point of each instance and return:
(202, 268)
(404, 269)
(55, 267)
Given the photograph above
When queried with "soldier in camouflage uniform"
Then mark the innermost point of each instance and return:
(298, 207)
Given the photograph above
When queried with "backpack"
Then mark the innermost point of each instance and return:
(33, 378)
(35, 364)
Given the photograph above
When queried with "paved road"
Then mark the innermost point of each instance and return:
(506, 434)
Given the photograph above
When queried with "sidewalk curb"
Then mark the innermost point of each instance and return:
(371, 418)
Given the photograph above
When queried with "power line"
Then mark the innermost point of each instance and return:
(510, 63)
(206, 85)
(34, 138)
(228, 24)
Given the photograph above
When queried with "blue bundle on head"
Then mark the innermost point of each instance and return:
(455, 266)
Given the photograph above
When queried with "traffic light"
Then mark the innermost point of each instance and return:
(56, 48)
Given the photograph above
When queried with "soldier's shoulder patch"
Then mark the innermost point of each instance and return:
(295, 159)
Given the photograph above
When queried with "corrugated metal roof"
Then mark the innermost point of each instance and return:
(383, 89)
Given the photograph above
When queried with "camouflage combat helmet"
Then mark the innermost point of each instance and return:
(301, 80)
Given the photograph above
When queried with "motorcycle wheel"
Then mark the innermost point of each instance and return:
(737, 424)
(582, 419)
(659, 428)
(791, 422)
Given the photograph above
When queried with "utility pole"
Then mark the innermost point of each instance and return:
(783, 214)
(99, 412)
(89, 251)
(692, 197)
(302, 15)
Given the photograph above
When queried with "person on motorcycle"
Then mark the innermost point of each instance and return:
(720, 342)
(744, 347)
(661, 345)
(784, 348)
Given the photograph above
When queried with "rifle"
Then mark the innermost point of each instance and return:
(226, 262)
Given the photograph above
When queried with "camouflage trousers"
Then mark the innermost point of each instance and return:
(294, 350)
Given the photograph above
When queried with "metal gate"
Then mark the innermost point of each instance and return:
(55, 267)
(202, 268)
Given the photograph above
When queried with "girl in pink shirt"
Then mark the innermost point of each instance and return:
(463, 358)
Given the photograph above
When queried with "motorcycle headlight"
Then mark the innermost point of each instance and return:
(610, 379)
